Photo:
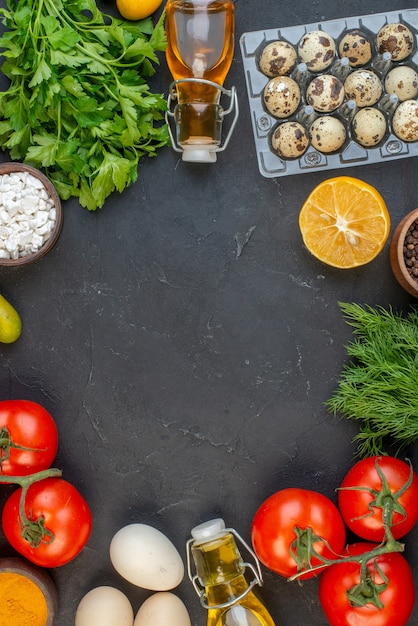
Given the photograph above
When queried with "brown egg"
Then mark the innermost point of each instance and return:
(327, 134)
(402, 81)
(278, 58)
(317, 50)
(397, 39)
(363, 86)
(290, 140)
(356, 47)
(369, 126)
(282, 96)
(405, 121)
(325, 93)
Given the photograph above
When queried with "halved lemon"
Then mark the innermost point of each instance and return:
(344, 222)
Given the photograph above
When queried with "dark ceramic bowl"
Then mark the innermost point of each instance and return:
(39, 577)
(402, 254)
(10, 168)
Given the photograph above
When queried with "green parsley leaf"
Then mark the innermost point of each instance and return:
(86, 128)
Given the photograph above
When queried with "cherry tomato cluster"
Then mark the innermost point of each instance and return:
(45, 519)
(299, 534)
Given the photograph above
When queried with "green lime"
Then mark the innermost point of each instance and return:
(10, 322)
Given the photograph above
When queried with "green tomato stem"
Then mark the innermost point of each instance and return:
(33, 531)
(384, 548)
(6, 443)
(303, 549)
(30, 479)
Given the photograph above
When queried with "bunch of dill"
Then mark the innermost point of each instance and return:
(378, 387)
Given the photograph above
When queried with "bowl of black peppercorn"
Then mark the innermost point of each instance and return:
(404, 253)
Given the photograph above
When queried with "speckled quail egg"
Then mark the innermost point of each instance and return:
(356, 47)
(282, 96)
(290, 140)
(278, 58)
(405, 121)
(327, 134)
(363, 86)
(325, 93)
(317, 50)
(397, 39)
(402, 81)
(369, 126)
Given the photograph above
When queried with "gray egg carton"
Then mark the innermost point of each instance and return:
(263, 124)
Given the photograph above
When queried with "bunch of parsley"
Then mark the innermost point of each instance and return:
(377, 388)
(78, 104)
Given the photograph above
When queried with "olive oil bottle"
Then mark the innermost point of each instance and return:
(220, 577)
(200, 48)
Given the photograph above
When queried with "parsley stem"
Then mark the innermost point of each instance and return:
(79, 105)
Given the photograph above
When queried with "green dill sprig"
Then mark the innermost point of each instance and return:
(378, 387)
(78, 104)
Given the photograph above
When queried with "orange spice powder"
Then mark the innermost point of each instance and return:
(22, 602)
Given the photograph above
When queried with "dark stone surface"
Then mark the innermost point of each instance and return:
(187, 376)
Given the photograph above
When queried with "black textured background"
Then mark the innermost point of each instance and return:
(187, 376)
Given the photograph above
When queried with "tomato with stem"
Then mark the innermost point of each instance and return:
(376, 591)
(47, 520)
(379, 492)
(28, 438)
(297, 529)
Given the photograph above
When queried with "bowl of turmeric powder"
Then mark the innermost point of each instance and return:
(28, 594)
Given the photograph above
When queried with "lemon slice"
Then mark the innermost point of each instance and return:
(344, 222)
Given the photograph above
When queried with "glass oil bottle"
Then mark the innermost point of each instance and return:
(200, 48)
(220, 579)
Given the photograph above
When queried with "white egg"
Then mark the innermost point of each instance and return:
(104, 606)
(146, 558)
(161, 609)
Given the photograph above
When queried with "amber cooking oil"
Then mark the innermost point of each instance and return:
(227, 594)
(200, 48)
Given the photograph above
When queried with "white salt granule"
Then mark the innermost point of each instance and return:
(27, 215)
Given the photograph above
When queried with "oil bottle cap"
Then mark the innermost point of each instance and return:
(197, 153)
(208, 530)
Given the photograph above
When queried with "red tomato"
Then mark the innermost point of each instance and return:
(273, 529)
(357, 506)
(28, 438)
(66, 516)
(398, 597)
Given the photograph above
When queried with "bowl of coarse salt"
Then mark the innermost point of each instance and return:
(31, 215)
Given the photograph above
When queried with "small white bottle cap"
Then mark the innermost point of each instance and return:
(197, 153)
(209, 530)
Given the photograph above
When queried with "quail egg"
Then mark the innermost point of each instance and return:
(402, 81)
(290, 140)
(356, 48)
(369, 126)
(327, 134)
(405, 121)
(325, 93)
(282, 96)
(363, 86)
(397, 39)
(317, 50)
(278, 58)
